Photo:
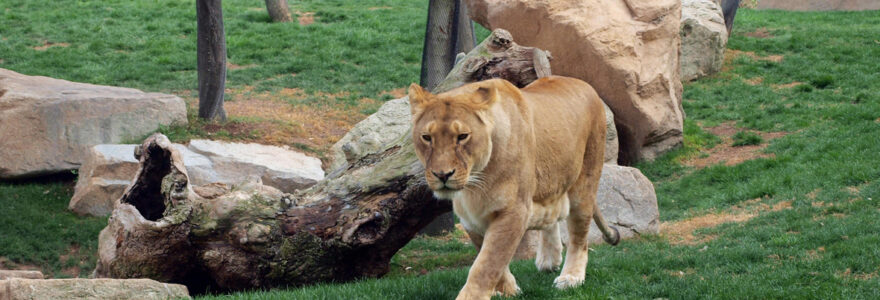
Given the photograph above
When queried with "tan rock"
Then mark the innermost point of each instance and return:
(627, 49)
(7, 274)
(47, 125)
(81, 288)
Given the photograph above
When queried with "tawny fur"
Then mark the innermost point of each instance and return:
(518, 159)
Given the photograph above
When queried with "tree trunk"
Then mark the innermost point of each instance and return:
(278, 10)
(347, 226)
(728, 8)
(449, 32)
(211, 51)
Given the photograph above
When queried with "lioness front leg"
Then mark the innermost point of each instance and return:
(490, 272)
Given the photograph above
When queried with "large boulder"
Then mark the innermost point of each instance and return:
(819, 5)
(393, 120)
(109, 169)
(627, 49)
(81, 288)
(48, 125)
(703, 38)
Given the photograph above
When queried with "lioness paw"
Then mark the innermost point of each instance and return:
(508, 291)
(548, 263)
(567, 281)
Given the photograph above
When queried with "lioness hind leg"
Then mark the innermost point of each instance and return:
(549, 254)
(583, 200)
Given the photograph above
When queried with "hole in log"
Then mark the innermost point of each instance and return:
(146, 191)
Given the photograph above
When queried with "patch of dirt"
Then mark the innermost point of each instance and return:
(848, 273)
(272, 120)
(814, 193)
(683, 273)
(72, 252)
(682, 232)
(815, 254)
(761, 33)
(728, 154)
(305, 18)
(463, 237)
(755, 81)
(731, 54)
(396, 93)
(786, 86)
(232, 66)
(48, 44)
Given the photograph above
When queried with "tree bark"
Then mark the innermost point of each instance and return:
(449, 31)
(211, 51)
(250, 236)
(278, 10)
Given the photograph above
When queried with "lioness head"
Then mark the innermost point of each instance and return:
(452, 135)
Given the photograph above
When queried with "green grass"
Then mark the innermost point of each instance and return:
(37, 230)
(824, 93)
(746, 138)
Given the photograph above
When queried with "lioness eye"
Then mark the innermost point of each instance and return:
(426, 137)
(462, 136)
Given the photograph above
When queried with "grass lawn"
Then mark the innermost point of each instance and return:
(775, 194)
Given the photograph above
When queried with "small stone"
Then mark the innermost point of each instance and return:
(81, 288)
(7, 274)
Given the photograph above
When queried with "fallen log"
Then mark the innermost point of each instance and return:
(348, 226)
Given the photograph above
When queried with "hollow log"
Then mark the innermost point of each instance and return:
(348, 226)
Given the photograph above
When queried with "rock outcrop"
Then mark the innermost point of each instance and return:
(703, 38)
(48, 125)
(627, 49)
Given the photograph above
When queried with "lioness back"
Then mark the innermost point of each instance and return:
(568, 118)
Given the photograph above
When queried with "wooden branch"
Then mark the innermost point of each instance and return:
(249, 236)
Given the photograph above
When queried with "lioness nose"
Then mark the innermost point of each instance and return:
(443, 176)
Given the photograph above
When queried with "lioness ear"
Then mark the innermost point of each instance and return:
(486, 96)
(418, 97)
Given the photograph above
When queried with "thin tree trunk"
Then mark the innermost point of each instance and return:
(211, 51)
(278, 10)
(347, 226)
(449, 32)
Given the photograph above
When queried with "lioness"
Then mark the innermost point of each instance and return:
(512, 160)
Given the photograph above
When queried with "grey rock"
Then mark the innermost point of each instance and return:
(48, 125)
(627, 201)
(703, 38)
(282, 168)
(81, 288)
